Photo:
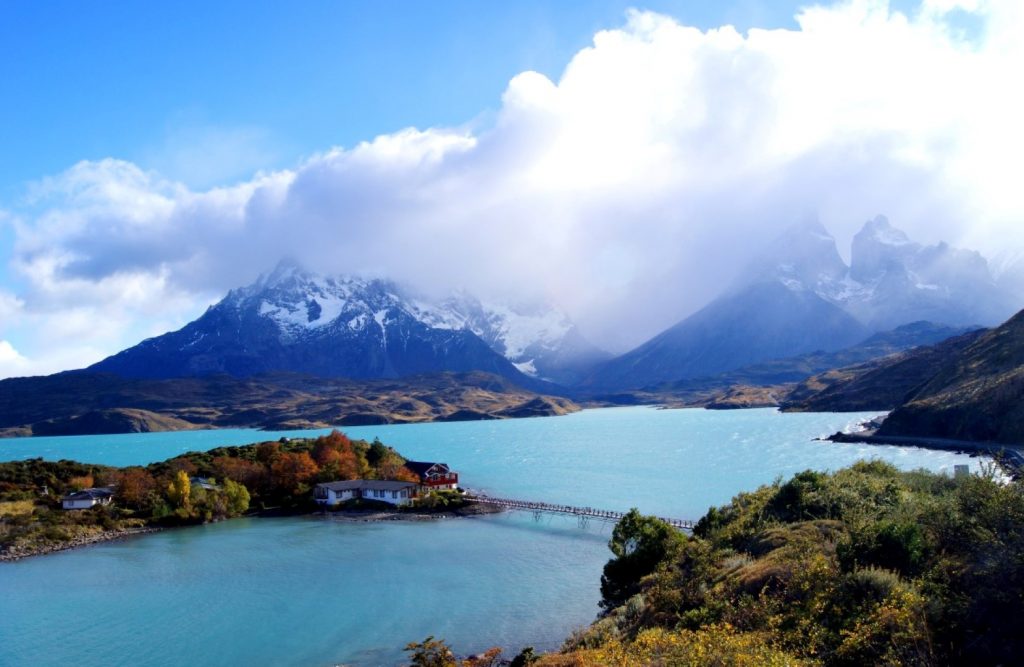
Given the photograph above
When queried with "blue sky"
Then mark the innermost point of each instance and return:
(142, 80)
(139, 140)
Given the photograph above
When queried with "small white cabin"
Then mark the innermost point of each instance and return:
(388, 491)
(86, 498)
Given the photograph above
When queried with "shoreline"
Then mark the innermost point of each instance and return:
(1009, 457)
(345, 516)
(374, 516)
(14, 555)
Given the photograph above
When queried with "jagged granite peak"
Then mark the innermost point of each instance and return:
(892, 280)
(878, 248)
(346, 326)
(803, 256)
(798, 296)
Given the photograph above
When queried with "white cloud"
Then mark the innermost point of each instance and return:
(630, 189)
(12, 363)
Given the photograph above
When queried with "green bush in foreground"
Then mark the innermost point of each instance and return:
(865, 566)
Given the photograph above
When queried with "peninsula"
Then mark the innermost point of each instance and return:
(50, 506)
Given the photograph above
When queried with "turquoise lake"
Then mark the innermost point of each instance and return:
(313, 591)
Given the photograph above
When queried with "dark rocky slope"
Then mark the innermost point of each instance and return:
(968, 388)
(880, 384)
(975, 394)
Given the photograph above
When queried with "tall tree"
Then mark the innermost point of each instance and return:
(639, 543)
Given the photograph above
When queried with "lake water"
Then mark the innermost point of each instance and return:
(310, 591)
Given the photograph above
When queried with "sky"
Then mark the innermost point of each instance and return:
(621, 161)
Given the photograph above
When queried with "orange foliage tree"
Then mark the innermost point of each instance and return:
(79, 483)
(268, 452)
(251, 474)
(134, 486)
(337, 456)
(291, 470)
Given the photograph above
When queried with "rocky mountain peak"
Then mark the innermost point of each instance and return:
(879, 248)
(294, 319)
(804, 256)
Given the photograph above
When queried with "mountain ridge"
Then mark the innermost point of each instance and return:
(799, 296)
(293, 320)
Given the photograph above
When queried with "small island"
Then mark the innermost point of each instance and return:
(48, 506)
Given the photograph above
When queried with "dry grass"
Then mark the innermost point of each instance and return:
(16, 507)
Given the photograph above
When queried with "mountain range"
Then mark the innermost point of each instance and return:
(307, 344)
(799, 296)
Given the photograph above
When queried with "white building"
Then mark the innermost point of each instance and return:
(86, 498)
(388, 491)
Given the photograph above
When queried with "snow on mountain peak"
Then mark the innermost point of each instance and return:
(881, 231)
(890, 278)
(303, 304)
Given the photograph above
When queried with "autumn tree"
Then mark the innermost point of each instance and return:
(325, 455)
(81, 482)
(181, 464)
(268, 452)
(179, 494)
(251, 474)
(292, 469)
(403, 474)
(134, 486)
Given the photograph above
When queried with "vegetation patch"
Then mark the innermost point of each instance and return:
(864, 566)
(196, 487)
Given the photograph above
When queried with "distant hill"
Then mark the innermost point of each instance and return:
(967, 388)
(90, 403)
(976, 393)
(800, 367)
(762, 321)
(881, 384)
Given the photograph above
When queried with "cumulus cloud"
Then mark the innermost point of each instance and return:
(630, 190)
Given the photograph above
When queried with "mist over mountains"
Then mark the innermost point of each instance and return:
(798, 296)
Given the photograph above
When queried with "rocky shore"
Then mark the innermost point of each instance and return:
(1009, 457)
(17, 552)
(365, 516)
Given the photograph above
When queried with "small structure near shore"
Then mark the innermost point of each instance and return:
(434, 476)
(87, 498)
(388, 491)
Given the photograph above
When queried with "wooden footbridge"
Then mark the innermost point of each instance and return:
(583, 514)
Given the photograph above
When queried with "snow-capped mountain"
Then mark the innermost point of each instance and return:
(891, 279)
(293, 320)
(799, 296)
(539, 339)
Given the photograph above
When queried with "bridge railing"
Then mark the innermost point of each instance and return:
(591, 512)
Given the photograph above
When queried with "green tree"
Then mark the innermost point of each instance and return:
(237, 497)
(639, 543)
(378, 452)
(525, 658)
(431, 653)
